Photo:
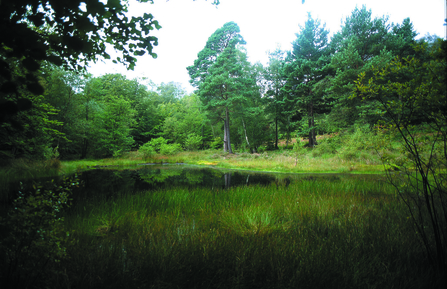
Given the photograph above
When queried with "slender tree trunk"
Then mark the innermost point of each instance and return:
(245, 132)
(276, 124)
(225, 136)
(227, 131)
(311, 122)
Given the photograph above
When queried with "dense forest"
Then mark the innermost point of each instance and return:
(312, 89)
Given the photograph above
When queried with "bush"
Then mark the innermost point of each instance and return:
(32, 237)
(261, 149)
(193, 142)
(170, 149)
(157, 143)
(147, 150)
(299, 147)
(329, 145)
(217, 143)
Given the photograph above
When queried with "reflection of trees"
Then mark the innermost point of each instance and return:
(159, 175)
(227, 180)
(194, 177)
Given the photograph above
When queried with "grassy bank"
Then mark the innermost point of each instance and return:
(270, 161)
(325, 234)
(357, 151)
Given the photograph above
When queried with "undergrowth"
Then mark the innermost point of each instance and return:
(309, 234)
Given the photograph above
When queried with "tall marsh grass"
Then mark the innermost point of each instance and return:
(312, 233)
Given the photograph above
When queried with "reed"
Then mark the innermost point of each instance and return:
(313, 233)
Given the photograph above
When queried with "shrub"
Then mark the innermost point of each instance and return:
(157, 143)
(32, 237)
(217, 143)
(299, 147)
(170, 149)
(261, 149)
(193, 141)
(147, 150)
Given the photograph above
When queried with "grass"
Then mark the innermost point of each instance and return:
(309, 234)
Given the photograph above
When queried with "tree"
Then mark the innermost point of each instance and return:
(275, 79)
(363, 42)
(184, 120)
(108, 116)
(413, 102)
(171, 91)
(219, 73)
(66, 33)
(308, 66)
(63, 90)
(148, 117)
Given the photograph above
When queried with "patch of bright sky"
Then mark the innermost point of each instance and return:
(265, 24)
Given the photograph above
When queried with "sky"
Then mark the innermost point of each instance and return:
(265, 25)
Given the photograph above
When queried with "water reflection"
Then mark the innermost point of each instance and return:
(108, 182)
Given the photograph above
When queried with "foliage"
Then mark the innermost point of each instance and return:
(156, 143)
(222, 75)
(107, 116)
(171, 92)
(183, 118)
(170, 149)
(63, 91)
(307, 66)
(147, 150)
(29, 133)
(217, 143)
(33, 239)
(193, 142)
(274, 81)
(411, 91)
(362, 42)
(68, 33)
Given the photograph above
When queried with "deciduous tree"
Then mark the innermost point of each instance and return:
(412, 92)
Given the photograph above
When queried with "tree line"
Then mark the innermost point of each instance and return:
(306, 91)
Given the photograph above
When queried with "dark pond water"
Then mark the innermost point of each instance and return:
(109, 182)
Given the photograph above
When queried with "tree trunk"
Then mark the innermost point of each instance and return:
(227, 141)
(276, 125)
(227, 180)
(311, 122)
(245, 132)
(225, 144)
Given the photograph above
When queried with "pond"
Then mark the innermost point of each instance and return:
(107, 182)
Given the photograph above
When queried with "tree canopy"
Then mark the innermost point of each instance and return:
(68, 33)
